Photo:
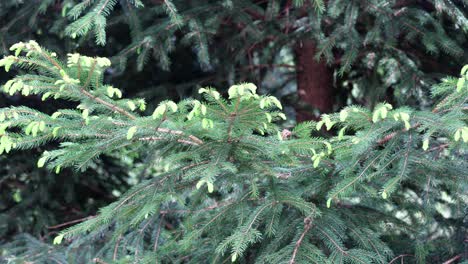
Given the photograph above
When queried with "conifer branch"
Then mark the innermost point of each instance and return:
(342, 251)
(107, 104)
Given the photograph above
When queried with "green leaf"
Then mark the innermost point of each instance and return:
(375, 116)
(464, 133)
(383, 112)
(58, 239)
(172, 106)
(85, 113)
(203, 109)
(210, 187)
(457, 135)
(251, 87)
(34, 129)
(42, 126)
(232, 91)
(384, 195)
(341, 133)
(131, 105)
(45, 96)
(41, 162)
(404, 116)
(343, 115)
(55, 115)
(407, 125)
(316, 161)
(262, 103)
(460, 83)
(141, 103)
(131, 131)
(319, 125)
(276, 102)
(425, 145)
(464, 70)
(110, 91)
(118, 92)
(17, 196)
(329, 124)
(200, 184)
(159, 111)
(329, 146)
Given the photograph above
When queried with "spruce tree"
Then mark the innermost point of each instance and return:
(370, 51)
(233, 186)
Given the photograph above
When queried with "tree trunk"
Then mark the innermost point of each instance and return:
(314, 82)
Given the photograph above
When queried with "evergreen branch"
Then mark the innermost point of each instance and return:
(370, 242)
(177, 132)
(107, 104)
(337, 192)
(45, 55)
(342, 251)
(102, 7)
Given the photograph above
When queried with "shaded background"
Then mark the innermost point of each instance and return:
(315, 58)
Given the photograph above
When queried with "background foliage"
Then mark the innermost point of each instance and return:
(376, 51)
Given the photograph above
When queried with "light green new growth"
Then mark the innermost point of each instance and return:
(285, 195)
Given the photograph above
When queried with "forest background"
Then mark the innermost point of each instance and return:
(315, 56)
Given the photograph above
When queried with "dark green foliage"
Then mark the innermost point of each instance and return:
(380, 50)
(267, 194)
(234, 187)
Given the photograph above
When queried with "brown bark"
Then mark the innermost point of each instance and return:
(314, 81)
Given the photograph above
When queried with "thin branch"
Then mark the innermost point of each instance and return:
(156, 239)
(107, 104)
(307, 226)
(457, 257)
(400, 256)
(342, 251)
(116, 247)
(71, 222)
(99, 100)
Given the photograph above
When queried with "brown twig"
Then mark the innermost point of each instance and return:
(156, 239)
(107, 104)
(100, 261)
(400, 256)
(71, 222)
(116, 247)
(457, 257)
(307, 226)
